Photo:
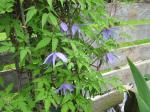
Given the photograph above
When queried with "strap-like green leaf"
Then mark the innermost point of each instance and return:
(141, 85)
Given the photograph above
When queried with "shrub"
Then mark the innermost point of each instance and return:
(56, 43)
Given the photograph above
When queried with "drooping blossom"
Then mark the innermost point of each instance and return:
(110, 57)
(108, 33)
(75, 29)
(63, 27)
(65, 87)
(51, 58)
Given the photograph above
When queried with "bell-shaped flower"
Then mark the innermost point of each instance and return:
(110, 57)
(63, 27)
(108, 33)
(64, 88)
(75, 29)
(51, 58)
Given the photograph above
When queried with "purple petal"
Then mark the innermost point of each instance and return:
(106, 33)
(51, 58)
(62, 57)
(64, 26)
(54, 58)
(48, 59)
(64, 87)
(69, 87)
(110, 57)
(75, 28)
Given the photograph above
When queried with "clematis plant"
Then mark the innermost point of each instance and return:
(45, 33)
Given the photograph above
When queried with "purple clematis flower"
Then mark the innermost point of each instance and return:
(65, 87)
(51, 58)
(107, 33)
(110, 57)
(75, 28)
(64, 27)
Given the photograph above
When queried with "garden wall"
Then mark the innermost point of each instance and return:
(140, 54)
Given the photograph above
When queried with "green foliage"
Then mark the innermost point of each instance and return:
(143, 92)
(31, 13)
(33, 32)
(6, 6)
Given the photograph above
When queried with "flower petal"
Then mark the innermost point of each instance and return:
(64, 87)
(48, 59)
(62, 57)
(75, 28)
(110, 57)
(63, 26)
(54, 58)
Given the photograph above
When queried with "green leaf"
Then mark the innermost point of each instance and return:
(62, 2)
(44, 42)
(21, 1)
(54, 44)
(50, 3)
(44, 19)
(4, 49)
(47, 103)
(23, 54)
(71, 106)
(66, 98)
(1, 81)
(31, 12)
(52, 19)
(65, 108)
(9, 88)
(142, 105)
(141, 85)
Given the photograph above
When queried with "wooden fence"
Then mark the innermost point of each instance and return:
(140, 54)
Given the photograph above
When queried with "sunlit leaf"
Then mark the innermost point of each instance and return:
(54, 44)
(44, 19)
(44, 42)
(31, 13)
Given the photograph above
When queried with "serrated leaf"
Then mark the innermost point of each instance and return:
(54, 44)
(50, 3)
(4, 49)
(44, 19)
(73, 46)
(62, 2)
(66, 99)
(52, 19)
(31, 12)
(65, 108)
(44, 42)
(23, 54)
(71, 106)
(47, 103)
